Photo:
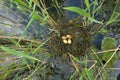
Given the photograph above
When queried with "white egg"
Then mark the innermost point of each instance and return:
(69, 36)
(64, 37)
(65, 41)
(69, 41)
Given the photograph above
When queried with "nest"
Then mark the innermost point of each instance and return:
(74, 39)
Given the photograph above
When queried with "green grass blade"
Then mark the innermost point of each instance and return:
(87, 5)
(32, 18)
(30, 3)
(86, 74)
(78, 11)
(18, 53)
(111, 19)
(73, 75)
(89, 75)
(20, 2)
(40, 46)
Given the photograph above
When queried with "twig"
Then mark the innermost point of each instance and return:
(113, 68)
(9, 59)
(106, 51)
(93, 64)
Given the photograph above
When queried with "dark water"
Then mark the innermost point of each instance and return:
(13, 23)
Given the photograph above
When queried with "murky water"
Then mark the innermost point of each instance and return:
(13, 23)
(10, 22)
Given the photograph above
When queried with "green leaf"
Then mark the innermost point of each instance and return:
(18, 53)
(82, 13)
(78, 11)
(107, 44)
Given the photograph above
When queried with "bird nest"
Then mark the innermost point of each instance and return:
(73, 38)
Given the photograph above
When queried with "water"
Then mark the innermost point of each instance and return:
(10, 22)
(13, 23)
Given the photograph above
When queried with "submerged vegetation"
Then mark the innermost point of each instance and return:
(58, 48)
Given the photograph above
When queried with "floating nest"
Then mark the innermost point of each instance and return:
(72, 38)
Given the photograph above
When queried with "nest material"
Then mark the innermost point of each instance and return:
(80, 40)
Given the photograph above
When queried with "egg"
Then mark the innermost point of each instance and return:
(65, 41)
(64, 37)
(69, 36)
(69, 41)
